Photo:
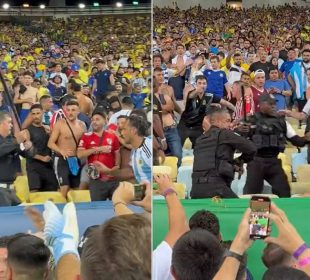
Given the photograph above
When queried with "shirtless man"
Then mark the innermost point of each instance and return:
(86, 104)
(27, 95)
(168, 103)
(65, 145)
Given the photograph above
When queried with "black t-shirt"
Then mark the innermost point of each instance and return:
(195, 108)
(283, 55)
(263, 66)
(39, 139)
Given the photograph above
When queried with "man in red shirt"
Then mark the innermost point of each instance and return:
(258, 87)
(100, 146)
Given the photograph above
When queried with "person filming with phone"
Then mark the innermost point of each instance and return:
(100, 148)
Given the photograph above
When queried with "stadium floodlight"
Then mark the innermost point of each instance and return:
(135, 3)
(42, 6)
(5, 6)
(119, 4)
(81, 5)
(25, 5)
(96, 4)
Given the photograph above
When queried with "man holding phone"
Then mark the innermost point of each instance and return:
(103, 147)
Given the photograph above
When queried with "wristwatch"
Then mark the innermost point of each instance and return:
(234, 255)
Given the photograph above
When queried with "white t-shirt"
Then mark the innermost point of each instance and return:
(306, 108)
(113, 118)
(290, 132)
(162, 257)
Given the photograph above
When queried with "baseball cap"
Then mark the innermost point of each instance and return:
(75, 67)
(267, 98)
(259, 71)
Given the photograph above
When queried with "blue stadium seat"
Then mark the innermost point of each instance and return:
(185, 177)
(298, 159)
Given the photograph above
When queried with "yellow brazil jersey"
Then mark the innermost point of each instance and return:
(7, 58)
(43, 91)
(128, 76)
(83, 76)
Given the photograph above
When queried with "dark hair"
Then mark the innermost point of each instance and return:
(196, 255)
(220, 54)
(36, 106)
(272, 68)
(200, 77)
(140, 123)
(113, 99)
(117, 248)
(158, 56)
(44, 97)
(72, 103)
(242, 267)
(100, 113)
(237, 55)
(28, 255)
(57, 76)
(274, 255)
(127, 101)
(180, 45)
(216, 58)
(3, 116)
(28, 73)
(284, 273)
(67, 98)
(305, 50)
(4, 240)
(157, 69)
(205, 220)
(76, 87)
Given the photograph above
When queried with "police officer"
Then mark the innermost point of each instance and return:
(197, 103)
(10, 148)
(269, 132)
(214, 164)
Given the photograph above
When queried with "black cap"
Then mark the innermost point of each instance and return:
(267, 98)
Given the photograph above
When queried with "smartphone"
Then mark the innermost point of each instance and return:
(139, 192)
(259, 222)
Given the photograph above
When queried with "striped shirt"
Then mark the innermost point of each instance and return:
(141, 161)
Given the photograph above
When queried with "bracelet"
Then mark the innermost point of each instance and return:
(234, 255)
(162, 140)
(117, 203)
(169, 191)
(305, 261)
(300, 250)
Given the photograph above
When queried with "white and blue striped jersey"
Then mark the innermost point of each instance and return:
(141, 161)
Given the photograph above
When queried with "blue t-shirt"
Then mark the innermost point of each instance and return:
(216, 81)
(281, 85)
(138, 99)
(286, 67)
(103, 81)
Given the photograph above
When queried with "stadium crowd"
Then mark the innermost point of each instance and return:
(74, 110)
(229, 81)
(81, 94)
(252, 62)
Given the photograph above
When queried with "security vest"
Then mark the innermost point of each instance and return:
(205, 152)
(269, 132)
(195, 109)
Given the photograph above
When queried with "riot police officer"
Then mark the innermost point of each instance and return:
(197, 103)
(214, 164)
(269, 131)
(10, 149)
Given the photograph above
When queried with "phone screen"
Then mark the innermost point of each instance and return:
(139, 192)
(259, 221)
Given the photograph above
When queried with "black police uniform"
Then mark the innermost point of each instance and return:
(41, 175)
(190, 125)
(213, 169)
(269, 133)
(9, 166)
